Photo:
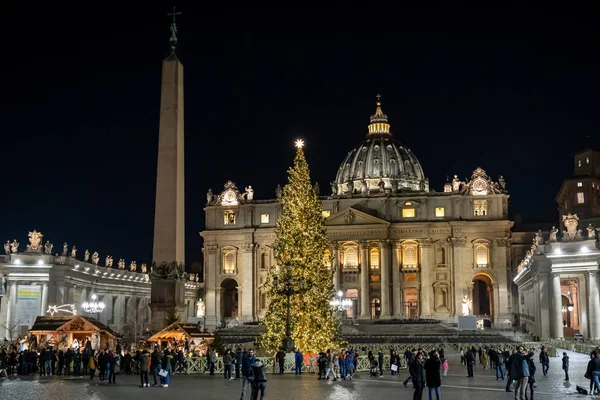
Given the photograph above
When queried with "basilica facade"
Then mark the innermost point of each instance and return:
(398, 249)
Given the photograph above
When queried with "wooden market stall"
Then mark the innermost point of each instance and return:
(73, 331)
(175, 335)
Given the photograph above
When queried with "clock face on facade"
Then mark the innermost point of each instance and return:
(229, 197)
(479, 186)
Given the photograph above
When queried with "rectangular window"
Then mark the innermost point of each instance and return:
(580, 198)
(408, 213)
(229, 217)
(264, 218)
(480, 208)
(326, 213)
(579, 184)
(439, 211)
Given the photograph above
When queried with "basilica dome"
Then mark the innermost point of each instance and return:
(380, 164)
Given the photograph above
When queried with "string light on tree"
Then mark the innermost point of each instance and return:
(300, 243)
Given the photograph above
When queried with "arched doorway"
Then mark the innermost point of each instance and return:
(229, 298)
(483, 295)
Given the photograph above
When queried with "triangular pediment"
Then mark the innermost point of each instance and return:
(352, 216)
(78, 324)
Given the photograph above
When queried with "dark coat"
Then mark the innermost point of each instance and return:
(432, 372)
(418, 372)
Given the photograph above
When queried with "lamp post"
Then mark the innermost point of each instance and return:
(94, 306)
(339, 303)
(289, 287)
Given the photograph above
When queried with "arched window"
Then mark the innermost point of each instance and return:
(264, 260)
(374, 258)
(351, 257)
(441, 255)
(481, 253)
(229, 260)
(409, 256)
(375, 308)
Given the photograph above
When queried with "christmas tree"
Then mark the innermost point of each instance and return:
(299, 250)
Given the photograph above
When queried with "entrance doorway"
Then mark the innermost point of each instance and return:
(483, 299)
(352, 312)
(229, 299)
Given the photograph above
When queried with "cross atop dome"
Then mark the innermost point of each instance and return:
(379, 123)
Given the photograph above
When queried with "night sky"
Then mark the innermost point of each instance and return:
(514, 91)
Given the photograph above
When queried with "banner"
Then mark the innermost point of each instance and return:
(29, 302)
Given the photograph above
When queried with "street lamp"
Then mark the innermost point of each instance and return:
(289, 287)
(339, 303)
(94, 306)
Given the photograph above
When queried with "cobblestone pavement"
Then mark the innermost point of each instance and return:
(455, 387)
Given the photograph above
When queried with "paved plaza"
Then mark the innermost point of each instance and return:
(455, 387)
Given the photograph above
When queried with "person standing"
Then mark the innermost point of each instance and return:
(281, 360)
(380, 360)
(228, 364)
(595, 369)
(299, 361)
(531, 380)
(519, 371)
(238, 362)
(246, 371)
(330, 366)
(258, 377)
(544, 360)
(470, 360)
(410, 358)
(156, 365)
(445, 367)
(432, 374)
(143, 366)
(418, 375)
(565, 365)
(92, 365)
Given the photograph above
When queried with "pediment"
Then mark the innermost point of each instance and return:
(78, 324)
(352, 216)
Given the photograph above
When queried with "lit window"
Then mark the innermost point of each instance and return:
(579, 163)
(480, 207)
(481, 254)
(229, 217)
(374, 259)
(351, 257)
(326, 214)
(409, 256)
(375, 308)
(408, 203)
(327, 258)
(229, 262)
(579, 184)
(264, 218)
(408, 213)
(439, 211)
(587, 160)
(580, 198)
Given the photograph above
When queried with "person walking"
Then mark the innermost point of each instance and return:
(565, 365)
(350, 364)
(544, 360)
(410, 359)
(595, 369)
(144, 365)
(246, 370)
(281, 360)
(432, 374)
(258, 377)
(330, 366)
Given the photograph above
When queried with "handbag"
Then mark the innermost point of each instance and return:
(394, 367)
(163, 373)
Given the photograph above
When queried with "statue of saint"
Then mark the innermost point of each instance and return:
(502, 183)
(121, 263)
(394, 186)
(333, 188)
(95, 258)
(133, 266)
(200, 308)
(14, 246)
(553, 234)
(278, 191)
(86, 255)
(191, 277)
(455, 184)
(65, 249)
(144, 268)
(35, 241)
(249, 193)
(591, 232)
(381, 185)
(48, 248)
(537, 240)
(350, 185)
(317, 188)
(7, 247)
(466, 305)
(74, 252)
(209, 196)
(108, 262)
(363, 187)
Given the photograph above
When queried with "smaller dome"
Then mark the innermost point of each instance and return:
(380, 164)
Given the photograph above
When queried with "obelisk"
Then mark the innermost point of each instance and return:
(169, 219)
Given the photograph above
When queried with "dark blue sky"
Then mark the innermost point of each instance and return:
(511, 90)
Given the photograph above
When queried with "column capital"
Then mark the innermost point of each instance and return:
(45, 284)
(426, 242)
(248, 247)
(458, 241)
(212, 249)
(385, 243)
(593, 273)
(396, 243)
(363, 244)
(335, 245)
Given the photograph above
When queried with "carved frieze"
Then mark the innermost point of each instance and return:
(426, 242)
(458, 241)
(502, 241)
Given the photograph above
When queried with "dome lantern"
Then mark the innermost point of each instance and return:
(379, 122)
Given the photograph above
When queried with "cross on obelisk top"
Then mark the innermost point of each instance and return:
(174, 14)
(378, 97)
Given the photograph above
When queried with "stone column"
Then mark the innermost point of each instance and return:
(396, 290)
(385, 280)
(427, 259)
(44, 298)
(543, 314)
(594, 307)
(556, 310)
(211, 270)
(335, 264)
(247, 273)
(12, 305)
(458, 248)
(365, 312)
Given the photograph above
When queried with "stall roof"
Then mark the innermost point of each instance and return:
(70, 323)
(190, 331)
